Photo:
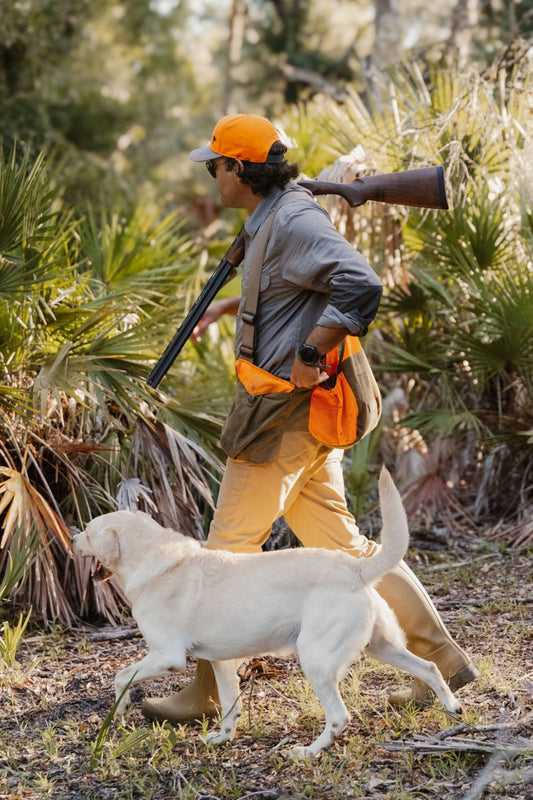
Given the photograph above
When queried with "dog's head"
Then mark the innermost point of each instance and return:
(101, 539)
(124, 542)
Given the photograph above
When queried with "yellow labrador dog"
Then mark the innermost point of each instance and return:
(220, 606)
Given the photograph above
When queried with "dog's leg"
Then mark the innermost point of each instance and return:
(322, 664)
(426, 671)
(153, 665)
(388, 645)
(230, 701)
(327, 690)
(326, 646)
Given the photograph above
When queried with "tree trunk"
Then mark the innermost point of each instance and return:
(464, 22)
(387, 48)
(235, 40)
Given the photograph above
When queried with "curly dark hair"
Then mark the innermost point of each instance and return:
(263, 177)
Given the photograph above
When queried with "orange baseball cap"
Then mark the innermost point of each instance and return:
(247, 137)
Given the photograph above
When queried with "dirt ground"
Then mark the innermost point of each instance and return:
(54, 706)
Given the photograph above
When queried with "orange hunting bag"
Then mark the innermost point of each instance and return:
(343, 409)
(347, 406)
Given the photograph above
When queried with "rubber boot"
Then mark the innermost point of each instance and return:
(198, 699)
(426, 634)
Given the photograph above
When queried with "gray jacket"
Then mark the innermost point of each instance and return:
(311, 276)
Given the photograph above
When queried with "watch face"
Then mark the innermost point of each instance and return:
(309, 354)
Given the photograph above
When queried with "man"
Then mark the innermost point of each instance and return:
(314, 290)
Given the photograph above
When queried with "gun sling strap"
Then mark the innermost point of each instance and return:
(251, 297)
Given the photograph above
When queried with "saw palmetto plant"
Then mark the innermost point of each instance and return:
(85, 307)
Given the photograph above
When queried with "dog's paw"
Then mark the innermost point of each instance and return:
(123, 708)
(453, 706)
(124, 704)
(217, 737)
(300, 754)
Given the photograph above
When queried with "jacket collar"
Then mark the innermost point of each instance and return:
(259, 215)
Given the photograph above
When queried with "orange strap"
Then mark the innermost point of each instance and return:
(352, 345)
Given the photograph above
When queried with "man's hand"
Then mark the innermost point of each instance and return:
(324, 339)
(304, 377)
(216, 310)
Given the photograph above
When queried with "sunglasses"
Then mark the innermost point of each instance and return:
(212, 167)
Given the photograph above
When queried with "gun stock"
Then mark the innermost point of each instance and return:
(423, 187)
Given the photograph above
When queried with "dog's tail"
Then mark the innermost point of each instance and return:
(394, 532)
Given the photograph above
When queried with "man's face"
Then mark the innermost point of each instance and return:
(228, 185)
(233, 193)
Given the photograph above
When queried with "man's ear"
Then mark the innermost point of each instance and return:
(239, 167)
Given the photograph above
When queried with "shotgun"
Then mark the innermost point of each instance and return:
(424, 188)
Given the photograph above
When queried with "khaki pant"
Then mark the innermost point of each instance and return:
(305, 484)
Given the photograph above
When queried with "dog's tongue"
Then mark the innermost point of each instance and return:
(101, 573)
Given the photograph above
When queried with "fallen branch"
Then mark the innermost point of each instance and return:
(427, 745)
(113, 634)
(494, 771)
(505, 746)
(449, 740)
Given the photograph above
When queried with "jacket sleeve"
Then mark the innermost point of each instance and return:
(317, 257)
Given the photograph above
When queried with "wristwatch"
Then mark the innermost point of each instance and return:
(309, 355)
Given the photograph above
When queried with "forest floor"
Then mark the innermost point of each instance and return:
(58, 740)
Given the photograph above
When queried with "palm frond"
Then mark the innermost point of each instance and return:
(178, 473)
(26, 213)
(139, 256)
(22, 553)
(444, 423)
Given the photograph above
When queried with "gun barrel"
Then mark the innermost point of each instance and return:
(220, 276)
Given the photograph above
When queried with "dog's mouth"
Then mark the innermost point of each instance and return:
(101, 573)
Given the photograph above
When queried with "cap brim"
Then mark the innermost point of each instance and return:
(203, 154)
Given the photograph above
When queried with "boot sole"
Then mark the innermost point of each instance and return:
(465, 675)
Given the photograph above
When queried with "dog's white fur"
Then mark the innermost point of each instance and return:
(220, 606)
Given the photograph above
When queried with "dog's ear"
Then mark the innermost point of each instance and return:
(112, 545)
